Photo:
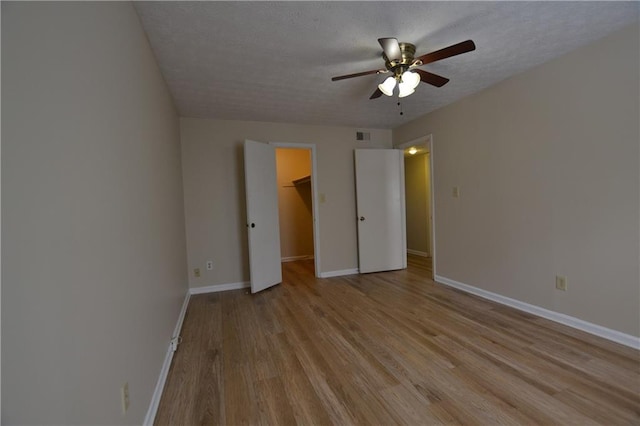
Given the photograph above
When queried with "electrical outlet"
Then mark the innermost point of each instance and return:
(196, 272)
(209, 265)
(561, 283)
(124, 393)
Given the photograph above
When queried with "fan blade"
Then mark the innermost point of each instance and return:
(359, 74)
(391, 48)
(447, 52)
(376, 94)
(430, 78)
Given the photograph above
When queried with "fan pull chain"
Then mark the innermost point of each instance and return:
(400, 105)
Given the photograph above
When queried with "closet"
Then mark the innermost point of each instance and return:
(295, 205)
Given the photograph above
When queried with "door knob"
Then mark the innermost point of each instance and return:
(361, 218)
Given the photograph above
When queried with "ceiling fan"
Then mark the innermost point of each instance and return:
(399, 59)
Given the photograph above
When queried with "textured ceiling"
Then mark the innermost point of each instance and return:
(273, 61)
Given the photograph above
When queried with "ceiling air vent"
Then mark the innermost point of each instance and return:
(363, 136)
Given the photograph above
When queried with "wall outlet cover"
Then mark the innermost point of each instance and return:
(124, 394)
(561, 283)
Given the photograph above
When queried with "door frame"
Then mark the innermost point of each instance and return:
(427, 142)
(314, 196)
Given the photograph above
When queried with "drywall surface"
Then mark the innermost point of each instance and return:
(416, 193)
(215, 207)
(547, 165)
(294, 203)
(94, 256)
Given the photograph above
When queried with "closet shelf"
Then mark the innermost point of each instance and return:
(302, 180)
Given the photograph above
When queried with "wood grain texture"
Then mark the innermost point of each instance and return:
(389, 348)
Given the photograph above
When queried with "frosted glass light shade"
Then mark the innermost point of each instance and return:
(411, 79)
(405, 89)
(387, 86)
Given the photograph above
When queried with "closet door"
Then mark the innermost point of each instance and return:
(262, 215)
(381, 210)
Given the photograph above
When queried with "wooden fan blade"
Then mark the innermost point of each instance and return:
(447, 52)
(376, 94)
(430, 78)
(358, 74)
(391, 48)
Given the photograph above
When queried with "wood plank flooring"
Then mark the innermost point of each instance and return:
(389, 348)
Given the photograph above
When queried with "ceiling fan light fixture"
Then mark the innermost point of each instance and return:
(387, 86)
(412, 79)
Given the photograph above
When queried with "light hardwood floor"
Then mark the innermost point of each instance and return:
(389, 348)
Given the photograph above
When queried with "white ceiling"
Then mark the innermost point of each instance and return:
(273, 61)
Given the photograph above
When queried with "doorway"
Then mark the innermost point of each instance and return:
(296, 207)
(418, 158)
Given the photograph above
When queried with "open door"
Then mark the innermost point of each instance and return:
(381, 209)
(262, 215)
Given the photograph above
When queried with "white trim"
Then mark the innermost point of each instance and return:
(418, 253)
(403, 208)
(432, 222)
(294, 258)
(164, 372)
(314, 197)
(598, 330)
(331, 274)
(219, 287)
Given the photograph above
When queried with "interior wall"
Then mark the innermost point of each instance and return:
(294, 203)
(547, 165)
(417, 203)
(93, 259)
(215, 206)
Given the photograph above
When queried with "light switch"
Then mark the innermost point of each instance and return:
(561, 283)
(322, 197)
(456, 192)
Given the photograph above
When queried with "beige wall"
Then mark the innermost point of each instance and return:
(547, 165)
(215, 208)
(416, 192)
(294, 203)
(94, 267)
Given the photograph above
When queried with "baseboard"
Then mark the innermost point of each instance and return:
(418, 253)
(597, 330)
(219, 287)
(294, 258)
(331, 274)
(164, 372)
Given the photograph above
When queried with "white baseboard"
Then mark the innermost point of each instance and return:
(598, 330)
(331, 274)
(219, 287)
(294, 258)
(164, 372)
(418, 253)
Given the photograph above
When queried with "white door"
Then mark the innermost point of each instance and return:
(262, 215)
(380, 205)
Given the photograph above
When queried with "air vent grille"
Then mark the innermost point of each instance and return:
(363, 136)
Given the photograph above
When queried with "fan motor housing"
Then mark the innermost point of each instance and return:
(407, 50)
